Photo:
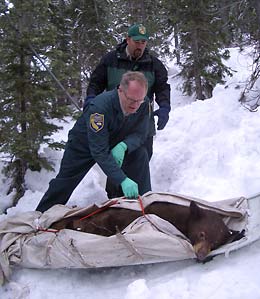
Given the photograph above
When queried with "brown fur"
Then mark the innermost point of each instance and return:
(205, 229)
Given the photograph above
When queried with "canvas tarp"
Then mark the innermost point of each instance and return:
(23, 241)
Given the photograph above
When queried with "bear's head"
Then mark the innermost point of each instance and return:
(206, 230)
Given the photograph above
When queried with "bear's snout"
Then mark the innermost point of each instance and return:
(202, 249)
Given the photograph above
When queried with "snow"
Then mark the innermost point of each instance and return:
(210, 150)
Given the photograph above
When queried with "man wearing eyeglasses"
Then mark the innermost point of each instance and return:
(132, 54)
(111, 131)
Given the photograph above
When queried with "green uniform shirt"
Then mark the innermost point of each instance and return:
(104, 125)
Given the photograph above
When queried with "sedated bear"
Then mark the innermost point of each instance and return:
(204, 228)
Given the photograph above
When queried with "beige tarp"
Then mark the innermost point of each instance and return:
(143, 241)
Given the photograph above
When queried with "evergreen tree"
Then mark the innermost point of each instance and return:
(90, 38)
(246, 19)
(26, 90)
(201, 45)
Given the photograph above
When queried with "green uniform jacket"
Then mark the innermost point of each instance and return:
(103, 125)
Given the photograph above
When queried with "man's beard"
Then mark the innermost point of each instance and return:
(137, 53)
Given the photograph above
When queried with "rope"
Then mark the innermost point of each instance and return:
(147, 216)
(141, 205)
(112, 202)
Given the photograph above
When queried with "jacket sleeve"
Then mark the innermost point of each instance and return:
(98, 139)
(98, 78)
(161, 88)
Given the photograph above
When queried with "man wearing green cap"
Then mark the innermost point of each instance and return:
(132, 55)
(136, 41)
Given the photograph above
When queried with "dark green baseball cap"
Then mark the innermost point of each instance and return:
(138, 32)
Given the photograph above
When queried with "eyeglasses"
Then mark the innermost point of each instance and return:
(132, 100)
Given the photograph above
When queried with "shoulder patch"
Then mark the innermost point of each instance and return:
(96, 121)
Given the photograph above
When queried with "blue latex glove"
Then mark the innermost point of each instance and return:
(118, 152)
(163, 117)
(130, 188)
(87, 101)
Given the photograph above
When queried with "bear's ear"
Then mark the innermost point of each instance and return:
(195, 211)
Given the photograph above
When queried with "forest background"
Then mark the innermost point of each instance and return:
(48, 49)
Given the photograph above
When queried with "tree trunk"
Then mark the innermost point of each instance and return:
(17, 171)
(195, 51)
(257, 8)
(137, 11)
(177, 46)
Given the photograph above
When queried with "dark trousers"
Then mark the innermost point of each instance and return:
(76, 163)
(138, 171)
